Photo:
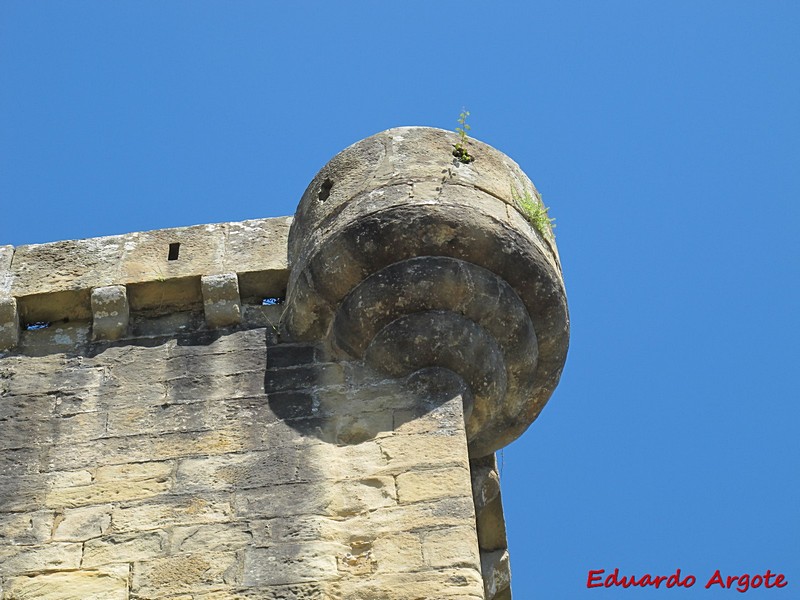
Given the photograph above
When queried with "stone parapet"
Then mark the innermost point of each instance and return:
(162, 272)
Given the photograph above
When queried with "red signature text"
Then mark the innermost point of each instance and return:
(742, 583)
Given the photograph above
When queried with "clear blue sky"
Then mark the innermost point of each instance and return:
(665, 136)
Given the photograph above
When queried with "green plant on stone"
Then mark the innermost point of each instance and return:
(534, 211)
(460, 148)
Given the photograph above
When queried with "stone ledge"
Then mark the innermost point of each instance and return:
(151, 273)
(151, 256)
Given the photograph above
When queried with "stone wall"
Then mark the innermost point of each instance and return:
(281, 409)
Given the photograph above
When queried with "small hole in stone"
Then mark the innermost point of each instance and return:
(37, 325)
(325, 190)
(173, 251)
(273, 301)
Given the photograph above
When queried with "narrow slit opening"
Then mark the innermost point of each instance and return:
(325, 190)
(174, 249)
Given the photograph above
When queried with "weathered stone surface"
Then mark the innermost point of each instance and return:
(95, 584)
(496, 573)
(163, 577)
(450, 547)
(6, 255)
(123, 548)
(111, 491)
(19, 560)
(134, 449)
(110, 312)
(171, 510)
(488, 506)
(210, 538)
(290, 563)
(9, 322)
(27, 529)
(159, 471)
(240, 471)
(81, 524)
(429, 484)
(27, 490)
(36, 433)
(221, 301)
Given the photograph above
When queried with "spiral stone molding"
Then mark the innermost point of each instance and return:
(405, 258)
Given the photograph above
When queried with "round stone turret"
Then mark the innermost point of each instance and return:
(406, 258)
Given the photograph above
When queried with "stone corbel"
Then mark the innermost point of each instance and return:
(405, 258)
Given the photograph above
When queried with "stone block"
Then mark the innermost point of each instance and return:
(81, 524)
(410, 452)
(221, 302)
(141, 448)
(29, 528)
(295, 591)
(277, 466)
(110, 312)
(223, 537)
(257, 245)
(496, 571)
(183, 573)
(156, 470)
(488, 505)
(292, 404)
(398, 552)
(439, 584)
(20, 461)
(24, 433)
(9, 322)
(170, 511)
(352, 497)
(36, 433)
(103, 492)
(123, 548)
(419, 516)
(281, 501)
(19, 560)
(296, 529)
(451, 547)
(103, 584)
(291, 563)
(430, 484)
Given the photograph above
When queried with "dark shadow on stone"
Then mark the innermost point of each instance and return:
(348, 402)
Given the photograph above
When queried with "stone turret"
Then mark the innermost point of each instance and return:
(405, 258)
(282, 408)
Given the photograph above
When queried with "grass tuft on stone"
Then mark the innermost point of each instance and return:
(534, 211)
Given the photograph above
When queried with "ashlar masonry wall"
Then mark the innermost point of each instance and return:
(166, 434)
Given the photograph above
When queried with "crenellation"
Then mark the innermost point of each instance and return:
(80, 280)
(110, 312)
(221, 301)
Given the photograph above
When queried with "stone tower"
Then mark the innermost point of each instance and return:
(288, 409)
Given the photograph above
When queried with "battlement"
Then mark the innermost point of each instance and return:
(282, 408)
(163, 271)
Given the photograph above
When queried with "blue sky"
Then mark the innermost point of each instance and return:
(665, 137)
